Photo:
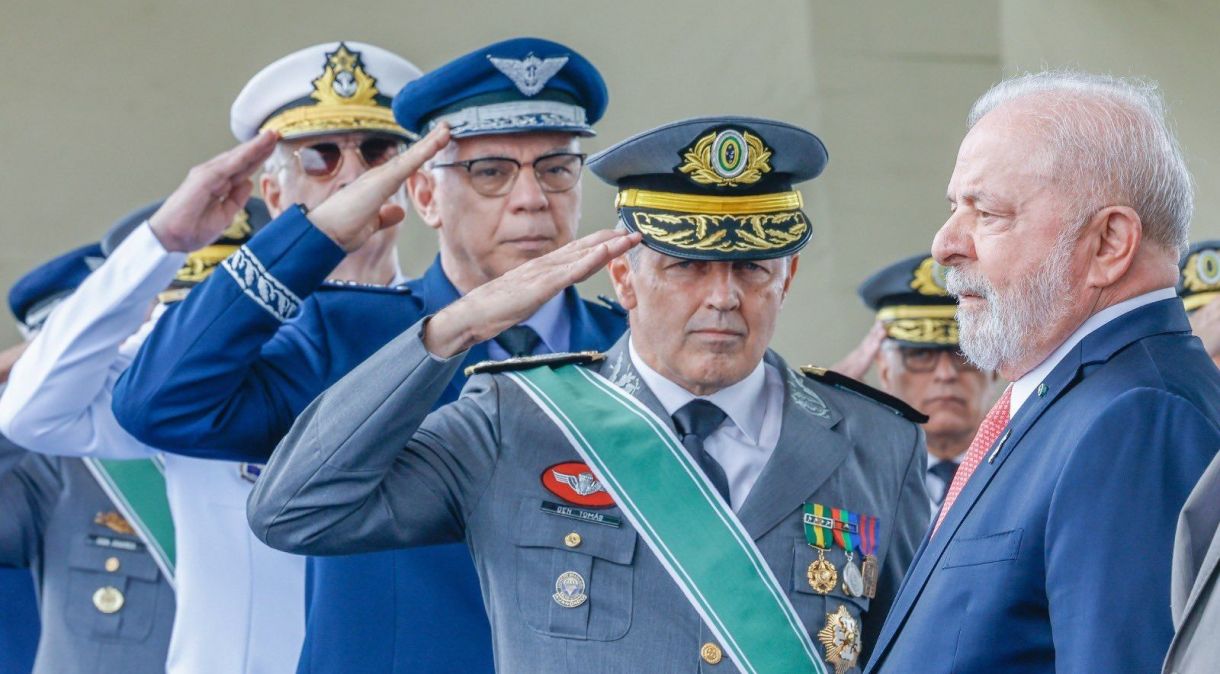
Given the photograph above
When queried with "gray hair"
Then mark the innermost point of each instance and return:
(1111, 139)
(278, 162)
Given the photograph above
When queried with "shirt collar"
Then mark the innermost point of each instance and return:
(552, 324)
(1024, 387)
(744, 402)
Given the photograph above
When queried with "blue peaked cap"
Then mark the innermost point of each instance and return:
(50, 281)
(520, 85)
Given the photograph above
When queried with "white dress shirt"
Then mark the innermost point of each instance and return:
(1025, 386)
(755, 408)
(240, 604)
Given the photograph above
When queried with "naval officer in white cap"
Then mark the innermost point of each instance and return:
(315, 120)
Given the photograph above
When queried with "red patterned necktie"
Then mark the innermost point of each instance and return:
(993, 424)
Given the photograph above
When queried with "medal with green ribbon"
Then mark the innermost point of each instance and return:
(821, 573)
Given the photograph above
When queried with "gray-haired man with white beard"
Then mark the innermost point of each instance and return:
(1070, 204)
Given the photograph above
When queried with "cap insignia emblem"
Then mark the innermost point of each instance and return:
(727, 158)
(929, 278)
(344, 81)
(1202, 271)
(531, 73)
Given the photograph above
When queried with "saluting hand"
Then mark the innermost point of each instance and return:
(1205, 323)
(356, 212)
(504, 302)
(205, 203)
(857, 363)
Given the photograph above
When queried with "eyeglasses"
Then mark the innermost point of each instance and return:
(922, 361)
(323, 160)
(495, 176)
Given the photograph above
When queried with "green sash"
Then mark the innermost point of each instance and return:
(137, 489)
(685, 523)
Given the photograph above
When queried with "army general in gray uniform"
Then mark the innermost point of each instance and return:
(569, 583)
(104, 605)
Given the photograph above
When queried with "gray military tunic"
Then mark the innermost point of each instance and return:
(366, 468)
(49, 507)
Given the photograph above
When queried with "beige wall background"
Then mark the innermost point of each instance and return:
(106, 105)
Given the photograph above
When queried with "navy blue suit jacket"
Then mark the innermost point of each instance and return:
(222, 377)
(19, 621)
(1056, 555)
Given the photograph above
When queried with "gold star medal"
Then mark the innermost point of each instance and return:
(821, 574)
(841, 639)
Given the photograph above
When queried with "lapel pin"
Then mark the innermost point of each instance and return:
(1041, 389)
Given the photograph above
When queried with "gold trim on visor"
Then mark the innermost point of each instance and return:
(1197, 300)
(709, 205)
(315, 119)
(902, 311)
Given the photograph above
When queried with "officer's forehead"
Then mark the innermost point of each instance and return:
(513, 144)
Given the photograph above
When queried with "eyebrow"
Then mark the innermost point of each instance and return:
(971, 196)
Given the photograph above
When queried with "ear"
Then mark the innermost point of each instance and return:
(883, 370)
(421, 187)
(793, 265)
(1113, 239)
(624, 284)
(273, 193)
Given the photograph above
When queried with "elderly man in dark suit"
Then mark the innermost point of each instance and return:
(1069, 207)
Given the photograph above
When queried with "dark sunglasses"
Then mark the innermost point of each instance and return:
(323, 160)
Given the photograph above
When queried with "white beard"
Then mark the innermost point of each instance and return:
(1004, 333)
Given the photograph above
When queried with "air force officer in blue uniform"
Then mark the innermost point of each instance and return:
(1070, 204)
(505, 190)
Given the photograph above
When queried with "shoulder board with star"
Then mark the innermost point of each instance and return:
(365, 287)
(529, 362)
(846, 383)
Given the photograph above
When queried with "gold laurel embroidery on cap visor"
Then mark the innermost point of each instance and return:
(201, 263)
(939, 331)
(928, 279)
(701, 169)
(722, 233)
(240, 228)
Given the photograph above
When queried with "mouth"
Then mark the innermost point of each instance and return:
(718, 333)
(531, 243)
(940, 401)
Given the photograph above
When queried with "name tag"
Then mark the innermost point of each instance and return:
(581, 514)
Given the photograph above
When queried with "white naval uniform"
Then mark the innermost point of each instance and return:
(240, 604)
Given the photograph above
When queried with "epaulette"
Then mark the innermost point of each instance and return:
(527, 362)
(402, 289)
(612, 305)
(846, 383)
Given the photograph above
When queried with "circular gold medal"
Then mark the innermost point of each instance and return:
(822, 575)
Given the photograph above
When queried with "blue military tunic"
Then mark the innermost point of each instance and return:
(224, 375)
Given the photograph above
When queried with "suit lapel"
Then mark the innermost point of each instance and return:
(619, 369)
(807, 453)
(1156, 318)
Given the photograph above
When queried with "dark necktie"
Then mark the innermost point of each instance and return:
(519, 340)
(695, 421)
(944, 470)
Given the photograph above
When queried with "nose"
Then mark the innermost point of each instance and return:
(352, 166)
(953, 243)
(945, 371)
(527, 195)
(723, 291)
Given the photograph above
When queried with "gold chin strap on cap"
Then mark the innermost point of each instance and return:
(710, 205)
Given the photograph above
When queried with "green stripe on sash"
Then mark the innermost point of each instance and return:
(681, 517)
(137, 489)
